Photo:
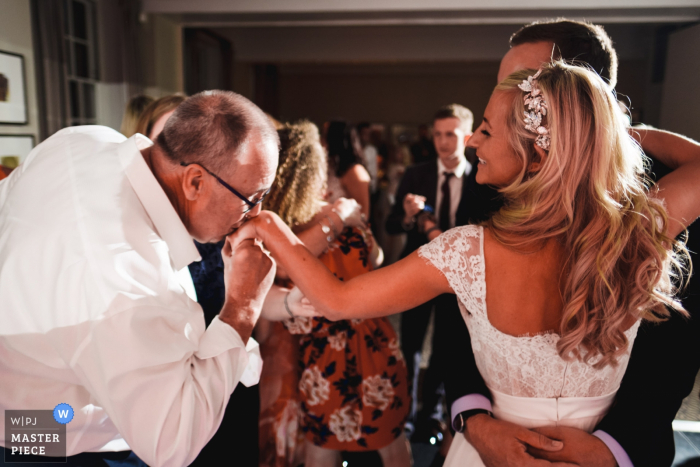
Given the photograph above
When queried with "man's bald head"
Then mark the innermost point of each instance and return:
(214, 128)
(574, 41)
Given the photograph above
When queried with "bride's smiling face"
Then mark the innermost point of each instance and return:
(499, 165)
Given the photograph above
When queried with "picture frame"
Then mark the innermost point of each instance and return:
(13, 89)
(18, 146)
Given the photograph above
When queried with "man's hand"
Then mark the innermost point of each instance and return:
(580, 448)
(504, 444)
(248, 275)
(412, 205)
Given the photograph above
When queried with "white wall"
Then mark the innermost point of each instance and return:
(159, 63)
(16, 37)
(163, 55)
(680, 106)
(401, 43)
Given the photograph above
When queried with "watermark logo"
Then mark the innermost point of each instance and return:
(63, 413)
(32, 433)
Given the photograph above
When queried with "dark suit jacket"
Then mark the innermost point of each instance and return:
(422, 179)
(661, 372)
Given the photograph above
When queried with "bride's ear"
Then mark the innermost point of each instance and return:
(539, 160)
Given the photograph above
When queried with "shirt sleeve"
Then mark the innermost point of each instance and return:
(620, 455)
(469, 402)
(162, 378)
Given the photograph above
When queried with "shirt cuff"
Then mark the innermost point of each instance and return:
(623, 460)
(220, 337)
(470, 402)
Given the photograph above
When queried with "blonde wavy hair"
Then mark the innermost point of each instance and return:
(591, 194)
(301, 174)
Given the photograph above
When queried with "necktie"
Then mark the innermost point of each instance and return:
(444, 215)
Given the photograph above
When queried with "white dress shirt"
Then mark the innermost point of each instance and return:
(94, 304)
(460, 173)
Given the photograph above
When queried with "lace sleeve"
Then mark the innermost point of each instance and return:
(457, 254)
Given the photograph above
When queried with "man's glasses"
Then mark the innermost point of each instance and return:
(251, 204)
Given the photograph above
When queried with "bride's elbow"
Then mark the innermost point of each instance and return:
(333, 314)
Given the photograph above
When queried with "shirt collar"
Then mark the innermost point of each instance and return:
(158, 207)
(464, 168)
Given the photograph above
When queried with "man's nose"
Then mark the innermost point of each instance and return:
(254, 212)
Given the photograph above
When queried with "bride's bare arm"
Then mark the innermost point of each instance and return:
(680, 189)
(392, 289)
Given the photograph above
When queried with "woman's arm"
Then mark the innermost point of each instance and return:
(333, 218)
(681, 188)
(376, 255)
(355, 182)
(314, 237)
(392, 289)
(274, 308)
(328, 222)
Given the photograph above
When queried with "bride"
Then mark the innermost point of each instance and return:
(554, 286)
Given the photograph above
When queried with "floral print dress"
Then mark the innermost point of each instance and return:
(353, 389)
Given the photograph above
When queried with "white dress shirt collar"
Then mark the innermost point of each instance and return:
(165, 219)
(463, 168)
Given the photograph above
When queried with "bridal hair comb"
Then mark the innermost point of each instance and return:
(536, 109)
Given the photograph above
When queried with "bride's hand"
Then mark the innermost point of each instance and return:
(253, 228)
(502, 444)
(299, 305)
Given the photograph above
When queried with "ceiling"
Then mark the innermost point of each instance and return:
(305, 13)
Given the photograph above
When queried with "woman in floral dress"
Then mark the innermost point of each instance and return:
(352, 382)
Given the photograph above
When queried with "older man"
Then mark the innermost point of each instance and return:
(95, 297)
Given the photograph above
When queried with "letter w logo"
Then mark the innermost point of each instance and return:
(63, 413)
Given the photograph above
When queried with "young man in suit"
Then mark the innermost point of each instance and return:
(438, 186)
(664, 361)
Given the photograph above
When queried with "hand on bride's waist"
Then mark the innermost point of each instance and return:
(501, 444)
(580, 448)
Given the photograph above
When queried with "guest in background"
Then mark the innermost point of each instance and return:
(347, 177)
(396, 167)
(132, 112)
(423, 150)
(369, 155)
(353, 390)
(155, 115)
(7, 165)
(440, 185)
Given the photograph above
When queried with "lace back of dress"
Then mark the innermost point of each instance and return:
(524, 366)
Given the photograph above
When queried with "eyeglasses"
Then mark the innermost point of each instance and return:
(251, 204)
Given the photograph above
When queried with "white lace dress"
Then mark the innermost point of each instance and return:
(529, 383)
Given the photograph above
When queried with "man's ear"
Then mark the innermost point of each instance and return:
(466, 137)
(193, 182)
(540, 159)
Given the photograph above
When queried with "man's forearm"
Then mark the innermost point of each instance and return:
(241, 317)
(671, 149)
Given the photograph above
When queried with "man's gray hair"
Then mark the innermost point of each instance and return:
(212, 128)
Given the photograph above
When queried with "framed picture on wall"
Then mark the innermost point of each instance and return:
(13, 89)
(14, 149)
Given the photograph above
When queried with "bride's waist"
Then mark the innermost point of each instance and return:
(580, 412)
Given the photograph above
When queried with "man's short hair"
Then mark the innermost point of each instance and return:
(361, 126)
(212, 128)
(575, 41)
(463, 114)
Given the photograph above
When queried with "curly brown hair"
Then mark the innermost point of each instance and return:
(301, 174)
